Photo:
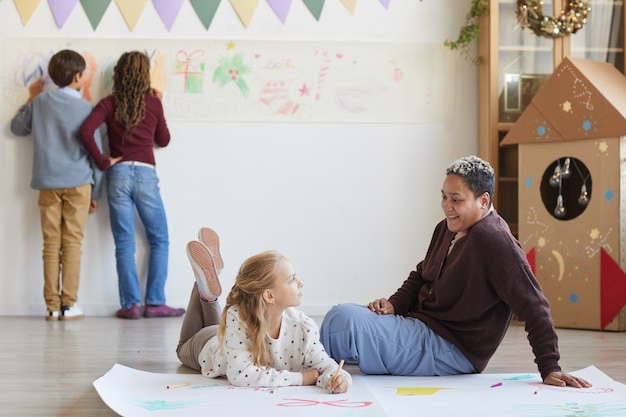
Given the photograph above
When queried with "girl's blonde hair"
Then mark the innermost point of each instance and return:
(131, 83)
(256, 275)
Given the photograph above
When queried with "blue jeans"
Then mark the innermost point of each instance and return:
(130, 187)
(389, 344)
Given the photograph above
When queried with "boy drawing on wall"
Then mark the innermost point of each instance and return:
(65, 176)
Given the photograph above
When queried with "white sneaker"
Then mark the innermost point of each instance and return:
(71, 313)
(52, 316)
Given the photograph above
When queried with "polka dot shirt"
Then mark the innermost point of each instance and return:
(296, 349)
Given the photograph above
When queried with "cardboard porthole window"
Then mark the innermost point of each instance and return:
(566, 188)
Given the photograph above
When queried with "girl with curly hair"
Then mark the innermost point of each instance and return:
(135, 122)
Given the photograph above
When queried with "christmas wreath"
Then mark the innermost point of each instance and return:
(572, 18)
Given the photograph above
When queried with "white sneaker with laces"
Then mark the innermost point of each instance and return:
(71, 313)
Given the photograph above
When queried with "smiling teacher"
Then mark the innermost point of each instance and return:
(452, 312)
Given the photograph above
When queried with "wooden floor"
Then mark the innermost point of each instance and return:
(48, 368)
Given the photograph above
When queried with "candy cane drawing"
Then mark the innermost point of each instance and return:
(323, 73)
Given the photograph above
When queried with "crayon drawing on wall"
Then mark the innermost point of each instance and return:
(259, 81)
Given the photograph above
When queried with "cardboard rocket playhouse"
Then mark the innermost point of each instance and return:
(572, 192)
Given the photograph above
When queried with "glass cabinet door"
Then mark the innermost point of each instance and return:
(602, 37)
(525, 60)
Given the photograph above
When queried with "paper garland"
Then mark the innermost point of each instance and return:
(350, 5)
(205, 9)
(94, 9)
(61, 10)
(26, 8)
(280, 8)
(315, 7)
(245, 10)
(168, 10)
(131, 11)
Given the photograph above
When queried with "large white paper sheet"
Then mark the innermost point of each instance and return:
(498, 395)
(134, 393)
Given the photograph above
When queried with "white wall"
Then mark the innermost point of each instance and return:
(352, 205)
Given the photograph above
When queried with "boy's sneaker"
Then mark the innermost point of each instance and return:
(212, 241)
(71, 313)
(131, 313)
(52, 316)
(203, 265)
(162, 311)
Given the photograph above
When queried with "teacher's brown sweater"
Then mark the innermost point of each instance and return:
(469, 296)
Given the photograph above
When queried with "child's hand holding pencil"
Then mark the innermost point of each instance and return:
(338, 384)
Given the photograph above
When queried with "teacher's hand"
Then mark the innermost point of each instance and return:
(561, 379)
(381, 306)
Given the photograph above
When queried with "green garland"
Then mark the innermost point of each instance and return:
(530, 15)
(470, 30)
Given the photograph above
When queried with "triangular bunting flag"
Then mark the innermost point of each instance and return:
(612, 289)
(94, 9)
(168, 11)
(61, 10)
(385, 3)
(131, 11)
(315, 7)
(26, 8)
(205, 9)
(245, 9)
(350, 5)
(280, 8)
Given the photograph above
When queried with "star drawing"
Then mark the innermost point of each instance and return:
(541, 130)
(304, 90)
(566, 106)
